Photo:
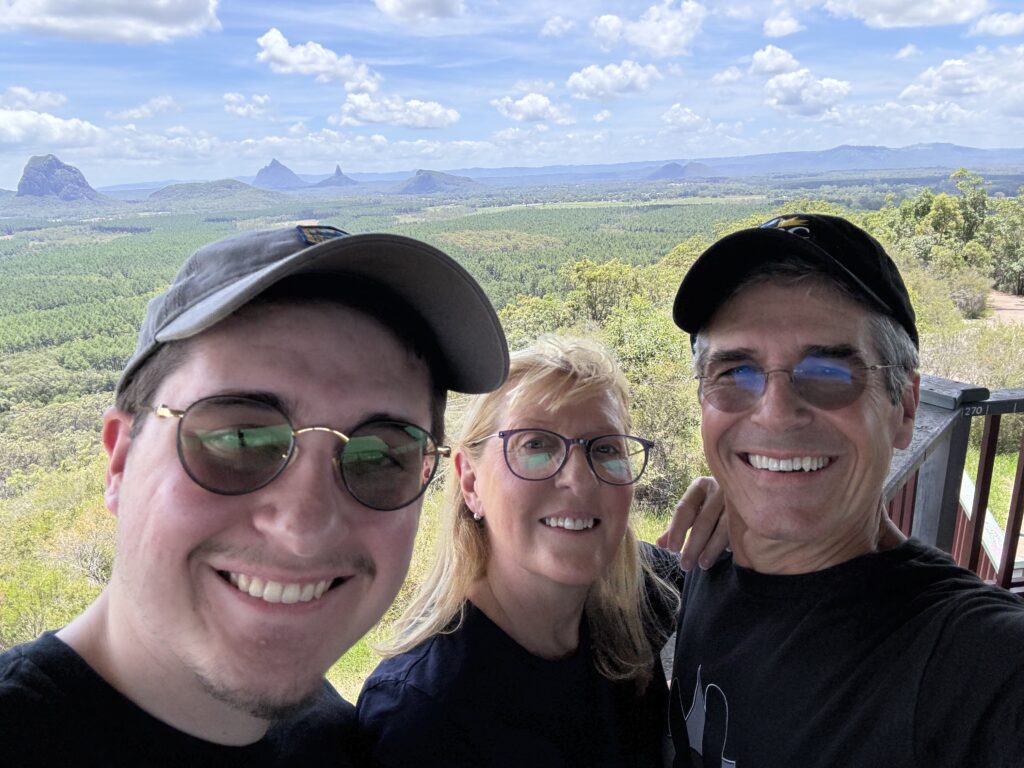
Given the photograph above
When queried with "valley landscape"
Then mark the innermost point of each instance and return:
(596, 250)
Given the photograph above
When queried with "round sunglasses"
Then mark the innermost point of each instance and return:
(823, 382)
(232, 445)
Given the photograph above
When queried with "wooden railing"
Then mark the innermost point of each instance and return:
(930, 497)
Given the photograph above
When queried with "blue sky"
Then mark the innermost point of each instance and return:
(129, 90)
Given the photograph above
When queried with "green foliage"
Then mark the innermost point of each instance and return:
(981, 353)
(595, 290)
(973, 202)
(1004, 233)
(56, 548)
(655, 357)
(528, 317)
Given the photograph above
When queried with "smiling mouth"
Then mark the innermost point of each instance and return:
(280, 592)
(796, 464)
(571, 523)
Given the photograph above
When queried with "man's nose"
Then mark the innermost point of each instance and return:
(780, 406)
(305, 510)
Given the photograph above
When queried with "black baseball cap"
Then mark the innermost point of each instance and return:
(221, 277)
(845, 251)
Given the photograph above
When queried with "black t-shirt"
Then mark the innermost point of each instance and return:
(56, 710)
(892, 659)
(475, 697)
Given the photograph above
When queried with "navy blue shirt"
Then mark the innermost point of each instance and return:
(475, 697)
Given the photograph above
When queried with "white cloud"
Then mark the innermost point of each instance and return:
(601, 116)
(154, 106)
(727, 76)
(907, 51)
(999, 25)
(17, 97)
(682, 118)
(31, 128)
(533, 107)
(607, 82)
(662, 31)
(782, 25)
(362, 108)
(313, 59)
(607, 29)
(994, 78)
(533, 86)
(511, 135)
(556, 26)
(800, 93)
(883, 14)
(893, 123)
(235, 104)
(420, 10)
(772, 60)
(124, 21)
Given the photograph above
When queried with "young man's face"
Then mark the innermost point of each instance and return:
(837, 459)
(180, 547)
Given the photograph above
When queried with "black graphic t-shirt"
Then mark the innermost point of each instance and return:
(897, 658)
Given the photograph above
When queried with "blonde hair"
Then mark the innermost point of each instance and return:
(553, 373)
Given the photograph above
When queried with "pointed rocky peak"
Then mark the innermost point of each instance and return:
(339, 179)
(47, 176)
(277, 176)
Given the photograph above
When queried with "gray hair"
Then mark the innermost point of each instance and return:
(891, 341)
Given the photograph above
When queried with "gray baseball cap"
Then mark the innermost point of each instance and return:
(224, 276)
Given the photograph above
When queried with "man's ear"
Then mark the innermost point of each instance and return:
(117, 439)
(909, 401)
(467, 482)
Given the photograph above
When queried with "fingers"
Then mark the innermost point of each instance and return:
(699, 511)
(683, 515)
(709, 535)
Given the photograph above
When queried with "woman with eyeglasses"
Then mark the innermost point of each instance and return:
(534, 640)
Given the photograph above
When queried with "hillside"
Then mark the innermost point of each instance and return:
(226, 193)
(428, 182)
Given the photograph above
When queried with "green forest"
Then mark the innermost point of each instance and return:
(603, 262)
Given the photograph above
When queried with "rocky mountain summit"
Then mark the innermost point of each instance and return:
(47, 176)
(339, 179)
(277, 176)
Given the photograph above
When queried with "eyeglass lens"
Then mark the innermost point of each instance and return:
(538, 454)
(234, 445)
(823, 382)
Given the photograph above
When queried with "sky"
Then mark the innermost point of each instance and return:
(151, 90)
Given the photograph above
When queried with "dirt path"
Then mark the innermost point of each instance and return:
(1006, 307)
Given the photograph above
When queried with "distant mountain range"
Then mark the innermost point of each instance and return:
(46, 176)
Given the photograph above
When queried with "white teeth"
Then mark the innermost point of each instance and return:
(276, 591)
(569, 523)
(804, 463)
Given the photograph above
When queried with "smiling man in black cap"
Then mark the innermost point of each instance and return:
(822, 641)
(272, 437)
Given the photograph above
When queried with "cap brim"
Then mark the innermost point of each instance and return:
(459, 314)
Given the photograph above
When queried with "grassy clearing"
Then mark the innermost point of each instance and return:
(1003, 471)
